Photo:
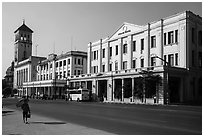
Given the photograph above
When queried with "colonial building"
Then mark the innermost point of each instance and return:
(35, 75)
(53, 72)
(24, 62)
(170, 48)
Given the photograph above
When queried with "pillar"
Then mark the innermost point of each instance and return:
(122, 89)
(113, 84)
(133, 87)
(130, 52)
(89, 58)
(120, 54)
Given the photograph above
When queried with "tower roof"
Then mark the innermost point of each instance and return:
(23, 27)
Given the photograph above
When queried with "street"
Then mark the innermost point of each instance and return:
(121, 119)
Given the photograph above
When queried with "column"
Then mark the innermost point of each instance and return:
(122, 89)
(108, 57)
(89, 58)
(86, 84)
(120, 54)
(113, 84)
(36, 92)
(130, 53)
(159, 45)
(100, 57)
(147, 48)
(133, 87)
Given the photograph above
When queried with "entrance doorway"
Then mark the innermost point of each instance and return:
(174, 85)
(102, 90)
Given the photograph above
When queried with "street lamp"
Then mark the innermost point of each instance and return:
(167, 65)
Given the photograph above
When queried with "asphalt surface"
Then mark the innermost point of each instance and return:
(122, 119)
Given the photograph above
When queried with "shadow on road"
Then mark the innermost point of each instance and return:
(5, 113)
(41, 122)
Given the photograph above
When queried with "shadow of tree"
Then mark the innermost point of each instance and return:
(5, 113)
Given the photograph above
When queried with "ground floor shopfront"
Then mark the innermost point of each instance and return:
(166, 85)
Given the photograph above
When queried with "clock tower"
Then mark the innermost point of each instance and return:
(23, 43)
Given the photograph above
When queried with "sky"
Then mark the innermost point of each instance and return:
(63, 26)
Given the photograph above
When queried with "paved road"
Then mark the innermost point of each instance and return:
(122, 119)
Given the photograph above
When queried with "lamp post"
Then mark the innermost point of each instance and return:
(166, 64)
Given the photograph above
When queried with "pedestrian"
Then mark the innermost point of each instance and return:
(26, 111)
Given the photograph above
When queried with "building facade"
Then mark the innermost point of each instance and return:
(53, 72)
(34, 75)
(170, 48)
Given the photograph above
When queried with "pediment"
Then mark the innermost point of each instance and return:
(125, 29)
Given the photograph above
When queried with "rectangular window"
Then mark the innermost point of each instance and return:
(103, 53)
(176, 59)
(50, 75)
(134, 63)
(193, 35)
(124, 64)
(142, 45)
(94, 55)
(64, 74)
(200, 38)
(110, 67)
(153, 61)
(164, 38)
(116, 50)
(68, 73)
(153, 41)
(134, 45)
(79, 72)
(60, 63)
(142, 63)
(125, 48)
(79, 61)
(60, 75)
(64, 62)
(170, 37)
(75, 72)
(116, 66)
(171, 59)
(110, 51)
(68, 61)
(56, 64)
(200, 59)
(176, 36)
(165, 59)
(193, 58)
(103, 68)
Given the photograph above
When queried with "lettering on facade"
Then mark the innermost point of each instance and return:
(125, 30)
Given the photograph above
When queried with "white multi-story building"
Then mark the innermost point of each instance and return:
(170, 48)
(53, 72)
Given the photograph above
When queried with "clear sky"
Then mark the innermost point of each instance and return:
(55, 24)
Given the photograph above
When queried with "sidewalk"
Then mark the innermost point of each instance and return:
(12, 124)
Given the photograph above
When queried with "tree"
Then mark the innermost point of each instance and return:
(150, 82)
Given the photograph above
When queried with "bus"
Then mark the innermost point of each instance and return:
(78, 94)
